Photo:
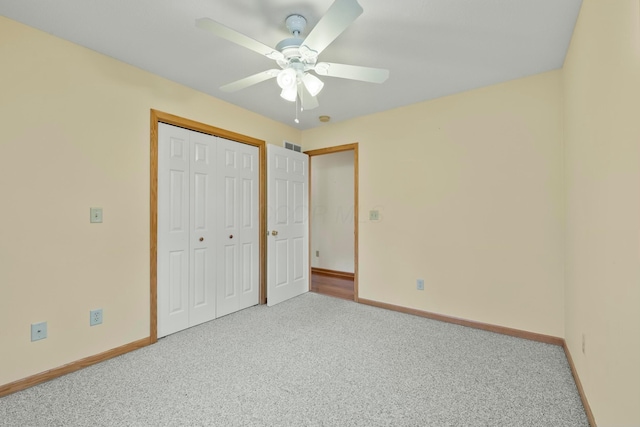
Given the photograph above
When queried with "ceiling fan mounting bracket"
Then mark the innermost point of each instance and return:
(295, 24)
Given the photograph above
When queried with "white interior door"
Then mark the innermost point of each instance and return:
(287, 223)
(238, 264)
(186, 229)
(173, 229)
(202, 221)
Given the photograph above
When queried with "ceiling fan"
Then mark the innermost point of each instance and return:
(297, 57)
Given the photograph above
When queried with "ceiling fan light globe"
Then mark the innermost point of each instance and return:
(289, 94)
(313, 84)
(287, 79)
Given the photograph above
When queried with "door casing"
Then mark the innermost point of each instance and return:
(162, 117)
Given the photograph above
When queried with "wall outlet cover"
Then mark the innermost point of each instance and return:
(420, 284)
(95, 317)
(374, 215)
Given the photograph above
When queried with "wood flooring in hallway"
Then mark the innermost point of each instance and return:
(339, 287)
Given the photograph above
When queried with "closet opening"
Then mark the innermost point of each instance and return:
(158, 117)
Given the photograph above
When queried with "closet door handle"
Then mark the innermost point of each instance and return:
(231, 236)
(202, 239)
(274, 233)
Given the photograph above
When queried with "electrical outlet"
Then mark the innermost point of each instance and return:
(317, 254)
(374, 215)
(420, 284)
(38, 331)
(584, 343)
(95, 317)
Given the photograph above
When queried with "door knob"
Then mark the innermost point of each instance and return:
(231, 236)
(274, 233)
(202, 239)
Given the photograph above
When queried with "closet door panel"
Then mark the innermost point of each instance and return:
(173, 229)
(238, 237)
(208, 257)
(202, 281)
(249, 227)
(228, 230)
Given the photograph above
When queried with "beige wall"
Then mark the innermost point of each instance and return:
(75, 134)
(472, 190)
(332, 211)
(469, 188)
(602, 139)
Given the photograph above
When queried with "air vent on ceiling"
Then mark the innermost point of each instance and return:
(291, 146)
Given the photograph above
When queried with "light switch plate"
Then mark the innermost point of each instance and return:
(38, 331)
(96, 214)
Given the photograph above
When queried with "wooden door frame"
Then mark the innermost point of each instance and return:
(170, 119)
(329, 150)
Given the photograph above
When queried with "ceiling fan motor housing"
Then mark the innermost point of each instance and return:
(290, 47)
(292, 52)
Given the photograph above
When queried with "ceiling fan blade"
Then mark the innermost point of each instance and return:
(249, 81)
(339, 16)
(353, 72)
(308, 101)
(238, 38)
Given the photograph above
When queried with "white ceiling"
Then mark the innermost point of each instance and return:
(432, 48)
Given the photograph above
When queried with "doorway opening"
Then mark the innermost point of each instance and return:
(333, 222)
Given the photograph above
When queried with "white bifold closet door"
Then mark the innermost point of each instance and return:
(238, 229)
(207, 228)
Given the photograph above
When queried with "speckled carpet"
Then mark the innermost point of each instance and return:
(314, 361)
